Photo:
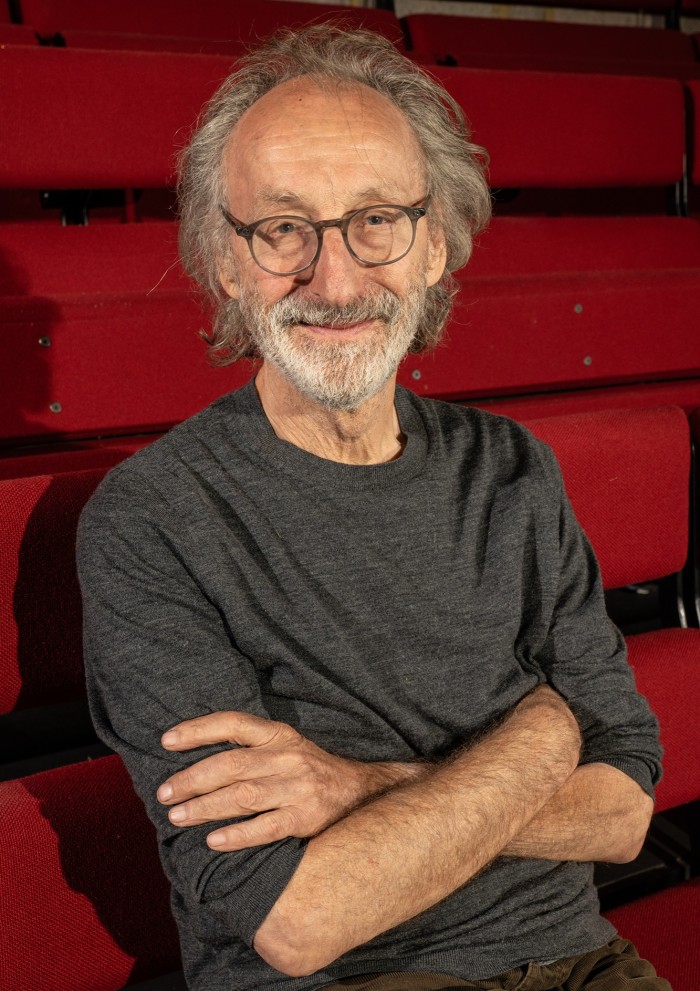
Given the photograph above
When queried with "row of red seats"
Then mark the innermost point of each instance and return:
(557, 313)
(216, 27)
(131, 10)
(84, 900)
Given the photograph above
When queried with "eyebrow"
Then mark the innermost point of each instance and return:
(269, 198)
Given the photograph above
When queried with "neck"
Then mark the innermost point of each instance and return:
(368, 435)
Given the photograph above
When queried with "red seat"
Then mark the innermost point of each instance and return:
(664, 929)
(627, 474)
(537, 44)
(211, 19)
(84, 900)
(666, 666)
(571, 302)
(40, 605)
(98, 321)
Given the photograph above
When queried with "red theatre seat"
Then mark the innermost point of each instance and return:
(562, 302)
(84, 900)
(664, 929)
(40, 608)
(98, 322)
(242, 21)
(549, 45)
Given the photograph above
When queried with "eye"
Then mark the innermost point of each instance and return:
(284, 227)
(374, 218)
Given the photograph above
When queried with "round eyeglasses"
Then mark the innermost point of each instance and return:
(375, 235)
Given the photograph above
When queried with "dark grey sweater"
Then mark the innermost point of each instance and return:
(388, 612)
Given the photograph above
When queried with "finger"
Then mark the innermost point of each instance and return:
(266, 828)
(240, 799)
(224, 727)
(215, 772)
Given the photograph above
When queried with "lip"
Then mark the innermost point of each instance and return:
(351, 330)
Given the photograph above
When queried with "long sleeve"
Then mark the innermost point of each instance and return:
(585, 658)
(158, 651)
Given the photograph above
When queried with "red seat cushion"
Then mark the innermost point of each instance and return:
(666, 665)
(85, 901)
(664, 929)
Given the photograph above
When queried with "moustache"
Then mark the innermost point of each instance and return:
(382, 304)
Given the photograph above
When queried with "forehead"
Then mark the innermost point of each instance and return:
(305, 141)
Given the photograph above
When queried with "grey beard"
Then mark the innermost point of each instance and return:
(339, 375)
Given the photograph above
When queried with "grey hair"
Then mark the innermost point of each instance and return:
(454, 167)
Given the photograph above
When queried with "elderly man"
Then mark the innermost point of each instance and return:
(351, 644)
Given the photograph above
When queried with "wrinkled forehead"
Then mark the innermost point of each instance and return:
(310, 135)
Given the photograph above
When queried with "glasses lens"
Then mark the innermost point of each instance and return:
(284, 244)
(380, 234)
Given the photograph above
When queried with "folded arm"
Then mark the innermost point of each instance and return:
(400, 854)
(599, 813)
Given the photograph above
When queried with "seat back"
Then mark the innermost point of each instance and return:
(559, 301)
(89, 313)
(243, 20)
(40, 605)
(532, 44)
(99, 120)
(627, 475)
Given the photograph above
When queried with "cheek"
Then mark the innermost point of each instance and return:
(265, 288)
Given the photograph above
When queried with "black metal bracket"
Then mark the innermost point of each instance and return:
(75, 204)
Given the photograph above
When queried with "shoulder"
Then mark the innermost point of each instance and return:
(162, 476)
(492, 441)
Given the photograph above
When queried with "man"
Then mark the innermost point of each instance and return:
(360, 633)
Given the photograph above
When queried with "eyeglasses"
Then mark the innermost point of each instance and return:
(375, 235)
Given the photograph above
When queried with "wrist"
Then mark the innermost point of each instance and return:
(375, 778)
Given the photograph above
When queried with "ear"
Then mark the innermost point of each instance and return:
(227, 278)
(437, 256)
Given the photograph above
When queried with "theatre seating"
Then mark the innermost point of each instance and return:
(555, 311)
(98, 323)
(549, 45)
(563, 302)
(167, 24)
(85, 904)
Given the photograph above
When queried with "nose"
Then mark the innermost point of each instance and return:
(335, 276)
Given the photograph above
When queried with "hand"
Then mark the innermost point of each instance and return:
(291, 786)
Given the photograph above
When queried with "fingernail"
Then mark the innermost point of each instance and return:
(165, 792)
(216, 839)
(169, 739)
(177, 815)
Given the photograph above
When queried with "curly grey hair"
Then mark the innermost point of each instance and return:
(454, 167)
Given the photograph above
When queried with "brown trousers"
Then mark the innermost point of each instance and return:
(615, 967)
